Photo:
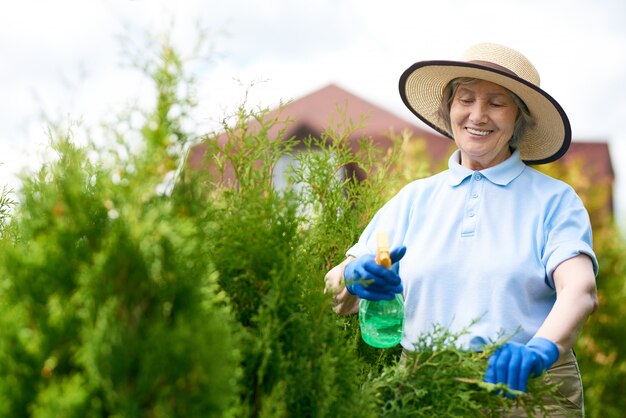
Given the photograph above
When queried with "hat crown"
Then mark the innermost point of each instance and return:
(502, 56)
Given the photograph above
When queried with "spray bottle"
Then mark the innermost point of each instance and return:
(381, 321)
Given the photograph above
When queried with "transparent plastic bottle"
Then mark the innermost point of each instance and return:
(381, 321)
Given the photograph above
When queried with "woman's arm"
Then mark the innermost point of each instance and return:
(576, 299)
(345, 302)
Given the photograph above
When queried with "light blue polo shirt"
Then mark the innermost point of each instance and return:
(481, 246)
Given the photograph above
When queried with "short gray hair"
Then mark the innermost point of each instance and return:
(523, 121)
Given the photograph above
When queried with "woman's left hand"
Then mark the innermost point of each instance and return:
(513, 363)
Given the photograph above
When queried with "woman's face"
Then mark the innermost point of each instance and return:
(482, 117)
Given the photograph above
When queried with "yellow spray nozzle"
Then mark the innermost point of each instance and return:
(382, 251)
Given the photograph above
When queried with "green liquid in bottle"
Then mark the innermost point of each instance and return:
(381, 321)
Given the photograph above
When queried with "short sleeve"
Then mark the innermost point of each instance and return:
(568, 234)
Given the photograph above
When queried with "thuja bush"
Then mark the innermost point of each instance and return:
(6, 205)
(441, 379)
(338, 206)
(109, 302)
(296, 361)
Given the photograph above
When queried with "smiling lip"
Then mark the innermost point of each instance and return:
(477, 132)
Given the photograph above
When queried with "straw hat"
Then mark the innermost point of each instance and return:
(423, 83)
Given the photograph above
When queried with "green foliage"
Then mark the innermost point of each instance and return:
(109, 304)
(338, 205)
(295, 359)
(6, 205)
(442, 380)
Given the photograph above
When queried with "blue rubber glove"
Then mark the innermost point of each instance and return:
(515, 363)
(369, 280)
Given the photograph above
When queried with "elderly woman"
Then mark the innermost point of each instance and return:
(490, 239)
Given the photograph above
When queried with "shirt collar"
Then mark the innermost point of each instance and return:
(501, 174)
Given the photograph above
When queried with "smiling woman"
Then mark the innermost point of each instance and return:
(489, 242)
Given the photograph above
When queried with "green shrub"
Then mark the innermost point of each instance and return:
(109, 304)
(439, 379)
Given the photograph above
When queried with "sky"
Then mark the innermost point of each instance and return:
(69, 58)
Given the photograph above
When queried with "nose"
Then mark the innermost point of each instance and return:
(478, 112)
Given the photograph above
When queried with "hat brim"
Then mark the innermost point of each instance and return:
(422, 86)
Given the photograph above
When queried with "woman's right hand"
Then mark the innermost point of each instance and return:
(369, 280)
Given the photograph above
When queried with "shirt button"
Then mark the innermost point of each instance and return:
(470, 214)
(478, 176)
(475, 195)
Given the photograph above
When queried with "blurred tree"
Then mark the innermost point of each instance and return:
(109, 304)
